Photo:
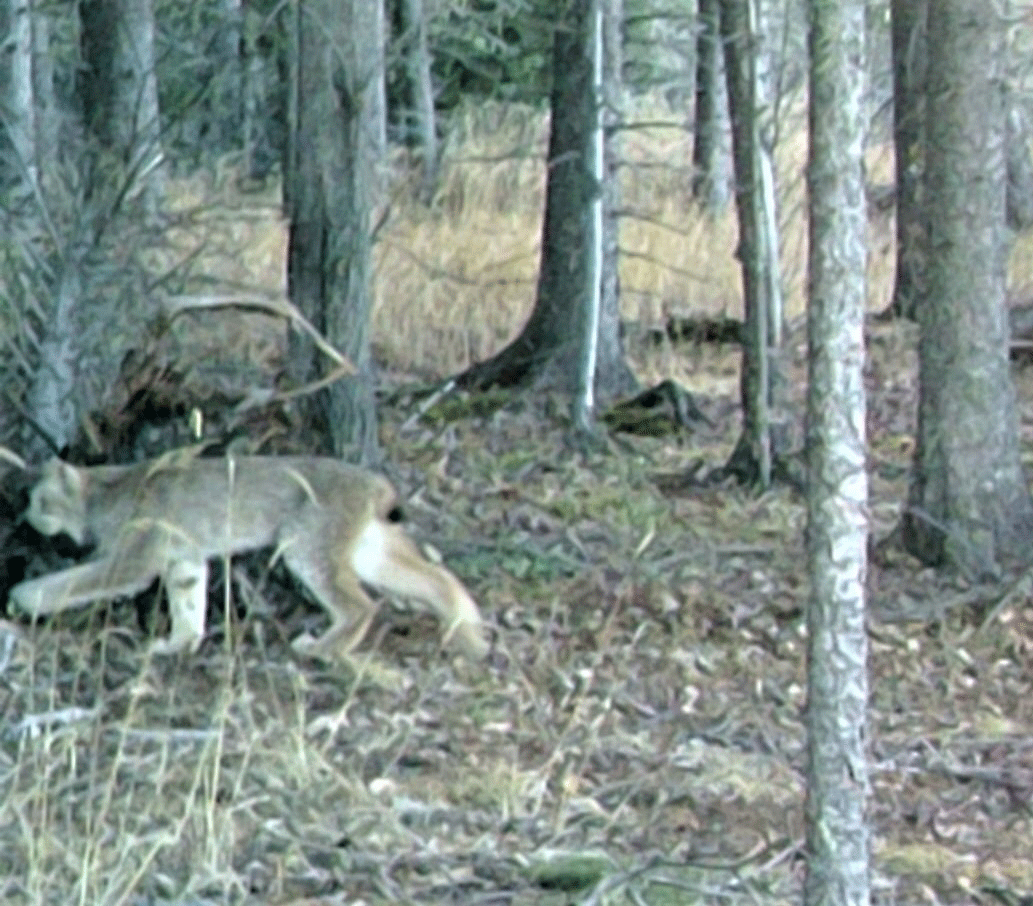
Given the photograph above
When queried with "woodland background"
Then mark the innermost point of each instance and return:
(639, 737)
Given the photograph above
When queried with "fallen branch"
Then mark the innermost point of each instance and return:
(281, 308)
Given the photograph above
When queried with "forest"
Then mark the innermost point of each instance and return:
(695, 338)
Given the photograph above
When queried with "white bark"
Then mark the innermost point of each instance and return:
(584, 403)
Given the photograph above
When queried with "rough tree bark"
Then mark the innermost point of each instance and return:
(909, 25)
(332, 176)
(969, 506)
(710, 153)
(837, 488)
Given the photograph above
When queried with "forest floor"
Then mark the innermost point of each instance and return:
(637, 736)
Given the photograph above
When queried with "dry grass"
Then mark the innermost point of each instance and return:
(456, 282)
(644, 711)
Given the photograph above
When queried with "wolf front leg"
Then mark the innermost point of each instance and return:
(79, 585)
(186, 586)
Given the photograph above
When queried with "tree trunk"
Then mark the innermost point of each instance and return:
(421, 92)
(613, 379)
(290, 72)
(47, 115)
(583, 408)
(48, 329)
(909, 51)
(50, 397)
(758, 238)
(545, 354)
(332, 177)
(225, 101)
(21, 164)
(119, 89)
(1019, 170)
(969, 506)
(259, 153)
(710, 154)
(837, 491)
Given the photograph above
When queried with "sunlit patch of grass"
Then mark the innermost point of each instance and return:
(455, 282)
